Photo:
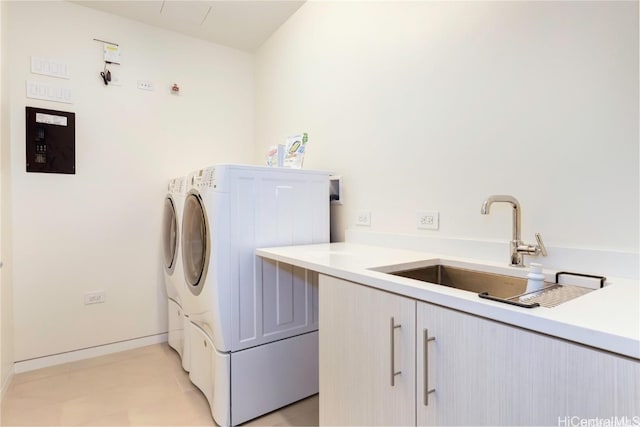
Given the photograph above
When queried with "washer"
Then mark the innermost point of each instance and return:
(253, 326)
(173, 272)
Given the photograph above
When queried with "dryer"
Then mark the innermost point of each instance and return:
(253, 326)
(173, 272)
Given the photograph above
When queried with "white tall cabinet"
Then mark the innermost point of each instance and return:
(479, 372)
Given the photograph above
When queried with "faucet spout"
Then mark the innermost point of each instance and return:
(499, 198)
(518, 248)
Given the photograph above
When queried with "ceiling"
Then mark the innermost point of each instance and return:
(240, 24)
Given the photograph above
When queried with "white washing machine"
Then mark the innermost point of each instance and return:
(253, 330)
(173, 272)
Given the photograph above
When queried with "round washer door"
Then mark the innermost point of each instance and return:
(195, 249)
(169, 234)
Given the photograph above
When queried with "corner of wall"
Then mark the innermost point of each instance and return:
(6, 283)
(6, 382)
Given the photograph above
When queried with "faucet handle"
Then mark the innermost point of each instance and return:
(543, 249)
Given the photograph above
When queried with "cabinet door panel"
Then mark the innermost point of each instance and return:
(627, 389)
(461, 363)
(355, 355)
(488, 373)
(600, 385)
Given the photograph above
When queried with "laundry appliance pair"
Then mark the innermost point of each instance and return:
(252, 323)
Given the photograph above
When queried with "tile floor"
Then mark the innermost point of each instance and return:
(141, 387)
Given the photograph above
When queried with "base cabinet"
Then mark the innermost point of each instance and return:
(487, 373)
(360, 350)
(468, 370)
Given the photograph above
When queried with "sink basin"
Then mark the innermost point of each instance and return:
(497, 285)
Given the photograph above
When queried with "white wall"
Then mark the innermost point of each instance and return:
(436, 105)
(100, 228)
(6, 318)
(419, 105)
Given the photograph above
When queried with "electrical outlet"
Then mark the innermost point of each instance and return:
(145, 85)
(97, 297)
(363, 218)
(428, 220)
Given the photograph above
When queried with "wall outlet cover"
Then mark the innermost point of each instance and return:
(97, 297)
(428, 220)
(363, 218)
(146, 85)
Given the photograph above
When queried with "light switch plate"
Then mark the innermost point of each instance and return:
(49, 67)
(48, 92)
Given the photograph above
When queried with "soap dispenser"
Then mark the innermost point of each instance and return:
(535, 278)
(535, 282)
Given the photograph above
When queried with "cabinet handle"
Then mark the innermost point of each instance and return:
(393, 353)
(427, 392)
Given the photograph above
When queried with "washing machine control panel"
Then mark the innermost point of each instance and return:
(209, 178)
(204, 178)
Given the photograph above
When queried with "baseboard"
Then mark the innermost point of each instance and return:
(590, 261)
(87, 353)
(7, 382)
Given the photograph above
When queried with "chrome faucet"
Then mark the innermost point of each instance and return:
(518, 248)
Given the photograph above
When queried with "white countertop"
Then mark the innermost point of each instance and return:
(608, 318)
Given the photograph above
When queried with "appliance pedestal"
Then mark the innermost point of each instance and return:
(246, 384)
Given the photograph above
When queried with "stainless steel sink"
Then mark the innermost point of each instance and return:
(497, 285)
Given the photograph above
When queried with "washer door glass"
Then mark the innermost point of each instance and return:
(194, 243)
(169, 234)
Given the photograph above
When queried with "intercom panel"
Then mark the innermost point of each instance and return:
(51, 141)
